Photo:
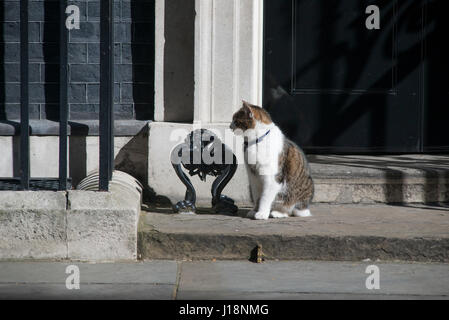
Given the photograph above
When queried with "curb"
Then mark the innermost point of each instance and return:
(177, 246)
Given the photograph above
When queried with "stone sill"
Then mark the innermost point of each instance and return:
(75, 128)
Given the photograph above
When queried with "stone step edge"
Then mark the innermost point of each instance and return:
(368, 180)
(154, 245)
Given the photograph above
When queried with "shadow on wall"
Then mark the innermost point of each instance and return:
(133, 159)
(179, 59)
(77, 159)
(142, 52)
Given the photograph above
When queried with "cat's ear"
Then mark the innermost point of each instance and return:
(249, 108)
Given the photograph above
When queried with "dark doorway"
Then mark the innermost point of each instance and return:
(333, 85)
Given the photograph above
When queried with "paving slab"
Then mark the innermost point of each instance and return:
(200, 295)
(237, 280)
(341, 233)
(154, 272)
(86, 292)
(154, 280)
(47, 280)
(308, 280)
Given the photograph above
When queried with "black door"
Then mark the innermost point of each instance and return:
(337, 83)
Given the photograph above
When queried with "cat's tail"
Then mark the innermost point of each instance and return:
(302, 210)
(302, 213)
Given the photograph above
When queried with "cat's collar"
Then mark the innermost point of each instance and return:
(257, 141)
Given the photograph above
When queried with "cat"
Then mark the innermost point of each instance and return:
(278, 170)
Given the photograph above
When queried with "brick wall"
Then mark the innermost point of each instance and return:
(134, 60)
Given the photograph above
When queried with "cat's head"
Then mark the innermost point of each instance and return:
(250, 117)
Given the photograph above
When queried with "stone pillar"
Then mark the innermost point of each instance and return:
(228, 57)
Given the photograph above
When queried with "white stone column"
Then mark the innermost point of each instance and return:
(228, 57)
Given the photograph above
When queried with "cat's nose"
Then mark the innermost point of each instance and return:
(232, 126)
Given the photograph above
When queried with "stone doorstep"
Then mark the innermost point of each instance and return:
(380, 179)
(334, 233)
(74, 225)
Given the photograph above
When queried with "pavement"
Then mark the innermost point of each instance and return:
(224, 280)
(415, 233)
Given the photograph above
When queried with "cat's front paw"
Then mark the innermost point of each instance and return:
(261, 215)
(278, 215)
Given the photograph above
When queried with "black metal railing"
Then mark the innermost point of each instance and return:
(106, 119)
(106, 93)
(24, 98)
(63, 96)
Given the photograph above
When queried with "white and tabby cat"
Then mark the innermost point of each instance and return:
(280, 180)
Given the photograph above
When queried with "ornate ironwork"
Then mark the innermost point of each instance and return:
(203, 154)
